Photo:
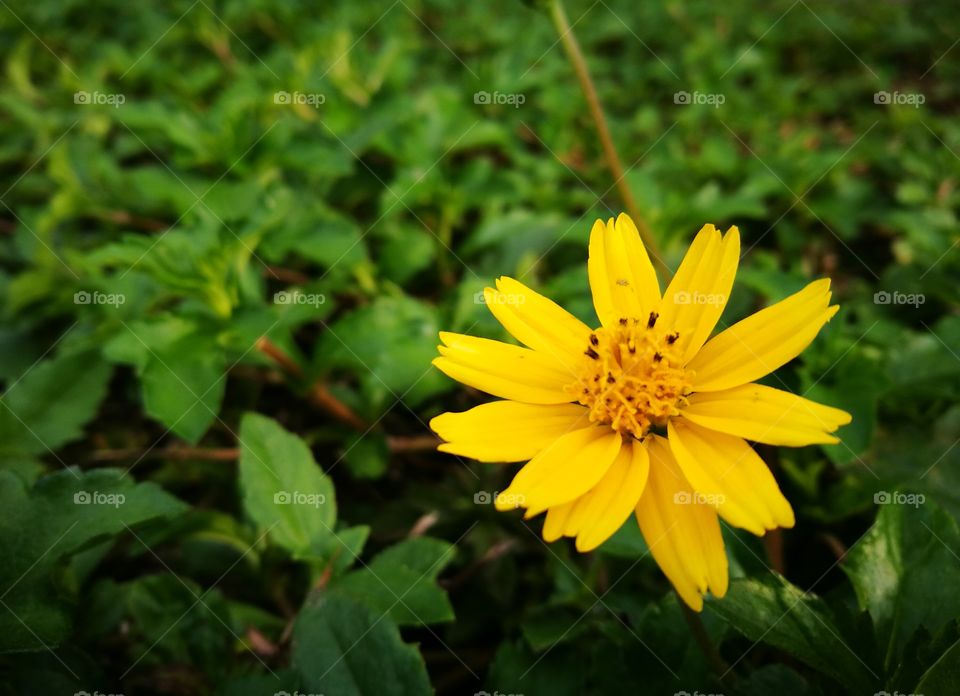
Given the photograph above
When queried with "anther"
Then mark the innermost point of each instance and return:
(672, 338)
(652, 320)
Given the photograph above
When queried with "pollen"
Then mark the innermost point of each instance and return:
(631, 376)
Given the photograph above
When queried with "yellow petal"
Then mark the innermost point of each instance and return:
(504, 370)
(608, 504)
(725, 472)
(569, 467)
(622, 279)
(765, 414)
(695, 299)
(557, 517)
(764, 341)
(683, 535)
(506, 431)
(536, 321)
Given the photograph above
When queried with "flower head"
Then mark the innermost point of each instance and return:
(642, 414)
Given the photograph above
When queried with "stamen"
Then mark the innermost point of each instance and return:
(632, 377)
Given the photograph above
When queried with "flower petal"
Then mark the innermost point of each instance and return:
(569, 467)
(695, 299)
(765, 414)
(536, 321)
(504, 370)
(764, 341)
(601, 511)
(507, 431)
(683, 535)
(725, 469)
(622, 279)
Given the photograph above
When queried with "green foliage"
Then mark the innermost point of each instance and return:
(230, 232)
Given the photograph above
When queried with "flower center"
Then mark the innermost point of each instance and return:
(631, 376)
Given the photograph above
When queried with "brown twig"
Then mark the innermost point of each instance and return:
(572, 48)
(177, 453)
(773, 542)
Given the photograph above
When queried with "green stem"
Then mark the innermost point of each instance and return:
(572, 48)
(700, 635)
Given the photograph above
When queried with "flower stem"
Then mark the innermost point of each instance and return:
(572, 48)
(700, 635)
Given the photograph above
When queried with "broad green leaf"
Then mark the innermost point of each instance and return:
(43, 526)
(801, 624)
(51, 403)
(388, 345)
(905, 570)
(284, 490)
(401, 582)
(183, 385)
(944, 675)
(342, 647)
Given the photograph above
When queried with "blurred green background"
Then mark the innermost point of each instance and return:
(213, 210)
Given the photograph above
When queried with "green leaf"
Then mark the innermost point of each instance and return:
(51, 403)
(944, 675)
(42, 527)
(284, 491)
(183, 385)
(905, 570)
(801, 624)
(342, 647)
(401, 582)
(388, 345)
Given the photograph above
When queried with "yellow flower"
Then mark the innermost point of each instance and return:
(642, 414)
